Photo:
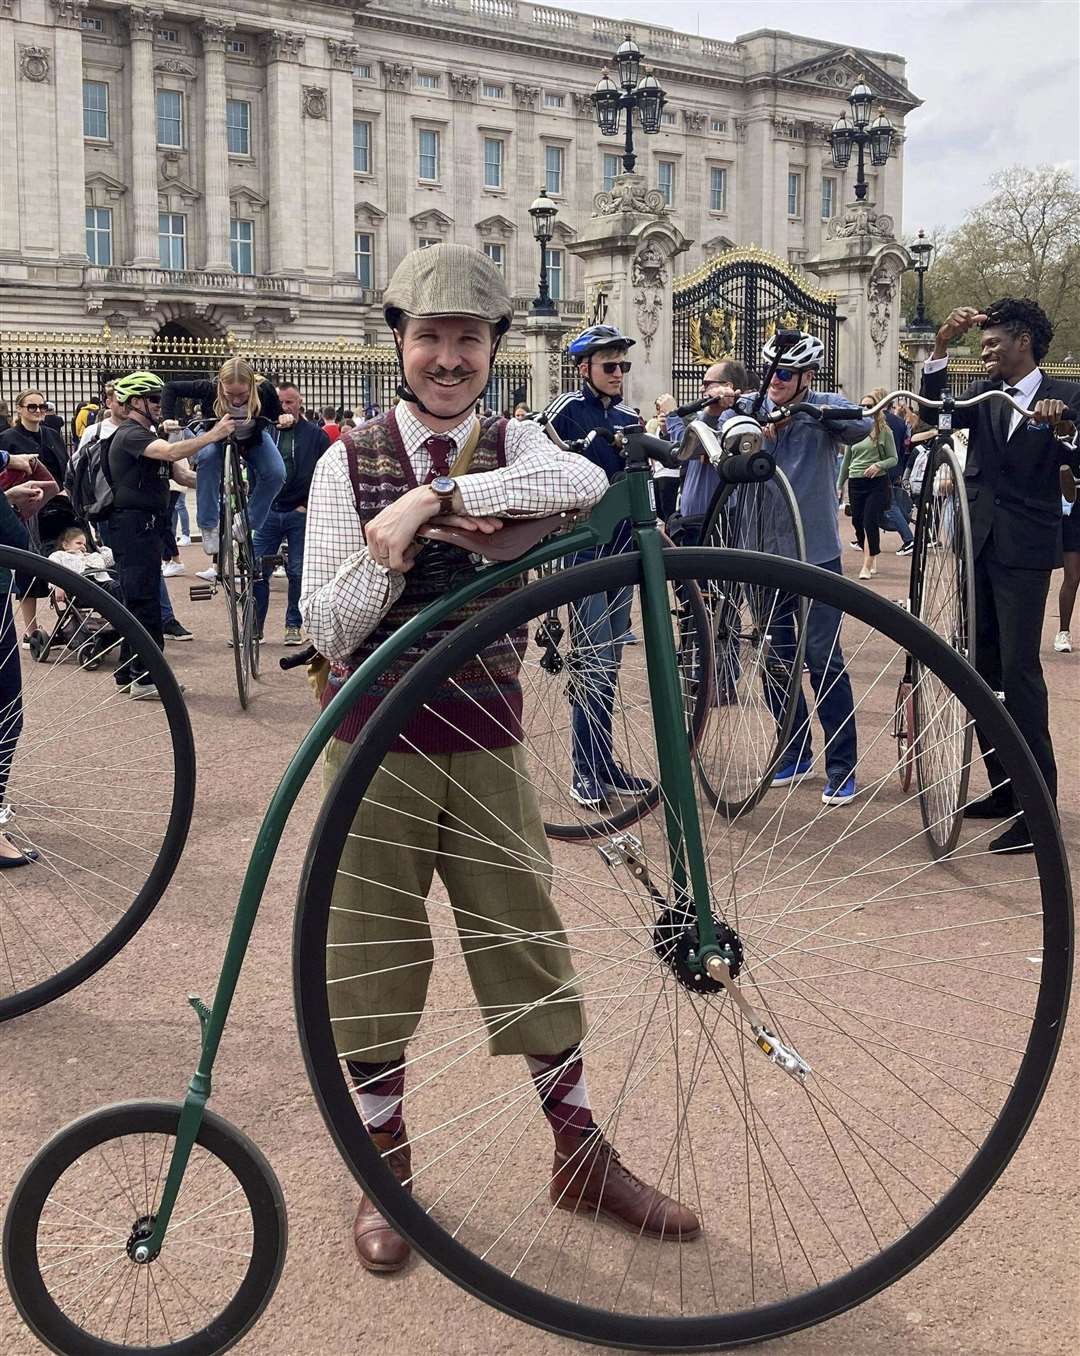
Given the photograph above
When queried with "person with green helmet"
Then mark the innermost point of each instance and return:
(138, 464)
(431, 457)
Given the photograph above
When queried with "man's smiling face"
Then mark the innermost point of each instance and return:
(447, 360)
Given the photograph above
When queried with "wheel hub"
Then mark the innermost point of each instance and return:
(136, 1244)
(676, 942)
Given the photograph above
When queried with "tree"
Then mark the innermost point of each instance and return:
(1024, 241)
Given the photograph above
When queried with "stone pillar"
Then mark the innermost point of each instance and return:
(282, 50)
(400, 160)
(544, 335)
(861, 261)
(141, 23)
(71, 218)
(343, 57)
(920, 346)
(10, 234)
(627, 249)
(214, 34)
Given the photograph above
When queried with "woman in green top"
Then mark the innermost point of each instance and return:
(866, 467)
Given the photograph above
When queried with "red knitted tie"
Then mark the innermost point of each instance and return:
(440, 451)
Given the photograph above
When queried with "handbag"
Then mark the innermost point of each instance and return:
(39, 479)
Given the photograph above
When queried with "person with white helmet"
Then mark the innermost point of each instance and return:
(806, 450)
(431, 457)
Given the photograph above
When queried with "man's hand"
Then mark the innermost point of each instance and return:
(285, 421)
(22, 462)
(959, 322)
(24, 495)
(1049, 411)
(170, 425)
(391, 534)
(222, 428)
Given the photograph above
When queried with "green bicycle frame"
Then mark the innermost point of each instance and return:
(630, 498)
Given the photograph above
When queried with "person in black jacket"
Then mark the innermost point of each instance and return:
(12, 533)
(1013, 489)
(301, 447)
(239, 393)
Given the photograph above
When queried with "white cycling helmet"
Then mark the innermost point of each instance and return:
(807, 351)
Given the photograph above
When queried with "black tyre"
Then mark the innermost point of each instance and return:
(928, 1053)
(943, 598)
(758, 679)
(238, 575)
(89, 1195)
(99, 786)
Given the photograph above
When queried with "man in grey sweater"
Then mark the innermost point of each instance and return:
(806, 450)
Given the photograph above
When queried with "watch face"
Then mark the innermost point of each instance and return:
(444, 485)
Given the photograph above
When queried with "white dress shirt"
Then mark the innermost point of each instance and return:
(1025, 389)
(345, 593)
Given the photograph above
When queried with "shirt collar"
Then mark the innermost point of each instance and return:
(1027, 386)
(414, 432)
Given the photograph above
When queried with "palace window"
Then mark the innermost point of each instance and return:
(362, 255)
(425, 242)
(170, 117)
(99, 236)
(717, 189)
(611, 165)
(554, 100)
(428, 146)
(95, 110)
(828, 198)
(555, 272)
(172, 240)
(665, 179)
(168, 35)
(490, 91)
(361, 71)
(794, 195)
(238, 126)
(361, 146)
(493, 162)
(428, 80)
(718, 124)
(497, 255)
(236, 47)
(242, 245)
(553, 168)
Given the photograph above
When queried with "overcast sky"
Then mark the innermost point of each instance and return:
(999, 79)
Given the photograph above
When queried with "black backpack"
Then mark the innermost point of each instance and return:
(87, 482)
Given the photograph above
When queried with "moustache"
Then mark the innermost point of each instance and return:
(450, 373)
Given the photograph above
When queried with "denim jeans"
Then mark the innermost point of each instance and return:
(894, 519)
(178, 515)
(597, 626)
(829, 680)
(288, 527)
(267, 472)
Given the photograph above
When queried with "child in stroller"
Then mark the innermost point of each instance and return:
(78, 630)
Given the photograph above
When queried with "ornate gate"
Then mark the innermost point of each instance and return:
(731, 305)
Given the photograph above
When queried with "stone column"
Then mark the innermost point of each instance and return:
(861, 261)
(141, 23)
(214, 34)
(399, 157)
(68, 86)
(627, 248)
(544, 335)
(10, 230)
(282, 50)
(343, 57)
(920, 346)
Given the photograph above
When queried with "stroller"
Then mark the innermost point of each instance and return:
(76, 631)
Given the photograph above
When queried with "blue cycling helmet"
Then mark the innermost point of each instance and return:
(595, 338)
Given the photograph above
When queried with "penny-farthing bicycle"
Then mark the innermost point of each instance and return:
(824, 1044)
(235, 563)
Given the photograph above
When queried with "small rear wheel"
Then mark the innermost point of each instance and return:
(89, 1196)
(237, 574)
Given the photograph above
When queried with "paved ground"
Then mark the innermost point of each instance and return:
(1006, 1283)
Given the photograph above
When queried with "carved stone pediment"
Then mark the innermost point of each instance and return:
(103, 188)
(495, 228)
(840, 69)
(563, 232)
(367, 214)
(248, 198)
(719, 244)
(432, 220)
(174, 66)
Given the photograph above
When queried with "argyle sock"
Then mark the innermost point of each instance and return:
(379, 1089)
(560, 1081)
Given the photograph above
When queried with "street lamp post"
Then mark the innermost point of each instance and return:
(543, 213)
(920, 250)
(633, 92)
(861, 132)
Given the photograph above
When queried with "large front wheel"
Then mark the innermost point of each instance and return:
(829, 1118)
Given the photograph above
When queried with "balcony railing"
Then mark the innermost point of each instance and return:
(188, 279)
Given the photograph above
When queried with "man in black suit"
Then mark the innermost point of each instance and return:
(1012, 484)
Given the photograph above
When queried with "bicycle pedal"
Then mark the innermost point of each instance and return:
(200, 593)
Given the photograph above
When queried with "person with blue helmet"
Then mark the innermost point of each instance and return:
(601, 624)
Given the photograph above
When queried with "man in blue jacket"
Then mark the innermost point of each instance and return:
(805, 449)
(300, 446)
(601, 624)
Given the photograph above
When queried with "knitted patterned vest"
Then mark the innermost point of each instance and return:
(480, 706)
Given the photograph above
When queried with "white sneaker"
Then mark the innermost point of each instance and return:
(171, 567)
(1063, 642)
(279, 572)
(210, 540)
(184, 540)
(209, 574)
(238, 533)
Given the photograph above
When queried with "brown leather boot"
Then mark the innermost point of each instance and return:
(589, 1178)
(380, 1247)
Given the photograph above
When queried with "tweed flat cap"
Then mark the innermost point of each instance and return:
(448, 279)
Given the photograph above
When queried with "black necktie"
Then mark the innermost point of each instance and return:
(1007, 412)
(440, 451)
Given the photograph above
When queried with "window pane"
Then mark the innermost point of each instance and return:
(99, 236)
(553, 164)
(493, 163)
(429, 154)
(96, 110)
(427, 80)
(242, 245)
(171, 240)
(497, 255)
(611, 168)
(170, 117)
(828, 199)
(493, 91)
(794, 195)
(238, 126)
(362, 253)
(361, 147)
(554, 100)
(665, 179)
(554, 264)
(717, 189)
(425, 242)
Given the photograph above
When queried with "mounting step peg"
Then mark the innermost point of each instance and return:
(200, 593)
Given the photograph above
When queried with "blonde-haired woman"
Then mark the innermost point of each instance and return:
(866, 467)
(236, 391)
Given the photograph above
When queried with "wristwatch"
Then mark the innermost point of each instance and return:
(445, 487)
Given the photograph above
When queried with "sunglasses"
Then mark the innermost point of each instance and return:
(706, 385)
(786, 373)
(612, 368)
(35, 409)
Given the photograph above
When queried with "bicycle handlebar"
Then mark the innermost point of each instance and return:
(299, 659)
(208, 422)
